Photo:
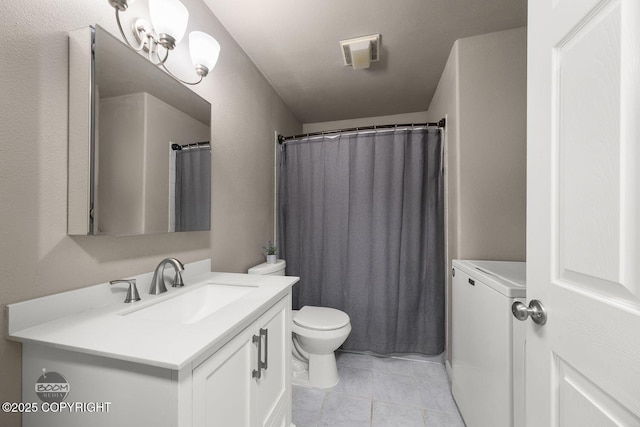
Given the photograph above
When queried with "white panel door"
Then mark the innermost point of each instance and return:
(271, 395)
(583, 214)
(222, 385)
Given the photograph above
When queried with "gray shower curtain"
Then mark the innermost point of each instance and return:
(193, 189)
(361, 222)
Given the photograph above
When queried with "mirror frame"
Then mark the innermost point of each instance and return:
(82, 126)
(81, 138)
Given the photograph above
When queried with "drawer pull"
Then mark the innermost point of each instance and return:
(257, 339)
(265, 333)
(257, 373)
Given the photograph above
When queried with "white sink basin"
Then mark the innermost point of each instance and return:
(192, 305)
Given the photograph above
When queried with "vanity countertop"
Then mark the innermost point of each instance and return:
(107, 330)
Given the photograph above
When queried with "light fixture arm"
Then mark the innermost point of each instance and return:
(142, 41)
(178, 78)
(154, 49)
(147, 41)
(165, 36)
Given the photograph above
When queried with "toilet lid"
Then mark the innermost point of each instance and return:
(321, 318)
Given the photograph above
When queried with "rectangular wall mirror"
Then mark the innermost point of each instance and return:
(139, 154)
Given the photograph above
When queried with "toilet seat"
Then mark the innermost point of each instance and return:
(321, 318)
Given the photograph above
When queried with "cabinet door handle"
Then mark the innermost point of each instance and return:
(257, 373)
(265, 333)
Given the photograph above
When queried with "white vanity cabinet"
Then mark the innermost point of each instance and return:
(245, 384)
(217, 388)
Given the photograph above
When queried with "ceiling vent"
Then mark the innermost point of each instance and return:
(360, 52)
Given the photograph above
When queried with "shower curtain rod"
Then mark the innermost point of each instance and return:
(178, 147)
(281, 139)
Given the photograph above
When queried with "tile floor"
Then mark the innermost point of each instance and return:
(380, 392)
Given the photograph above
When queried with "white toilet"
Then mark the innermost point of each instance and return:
(317, 334)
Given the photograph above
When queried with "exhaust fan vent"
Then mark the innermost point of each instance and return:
(365, 49)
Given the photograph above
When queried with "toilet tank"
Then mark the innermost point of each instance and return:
(273, 269)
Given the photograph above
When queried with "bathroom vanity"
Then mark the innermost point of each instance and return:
(213, 353)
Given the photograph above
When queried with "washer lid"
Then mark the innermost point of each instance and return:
(513, 272)
(507, 277)
(321, 318)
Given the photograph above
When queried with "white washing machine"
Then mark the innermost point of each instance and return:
(487, 344)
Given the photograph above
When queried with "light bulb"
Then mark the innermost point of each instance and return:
(169, 19)
(204, 51)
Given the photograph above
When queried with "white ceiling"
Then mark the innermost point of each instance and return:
(295, 45)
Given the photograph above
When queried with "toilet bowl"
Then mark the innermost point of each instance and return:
(317, 332)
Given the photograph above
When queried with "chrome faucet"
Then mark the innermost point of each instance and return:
(157, 283)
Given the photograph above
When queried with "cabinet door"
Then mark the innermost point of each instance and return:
(272, 395)
(222, 385)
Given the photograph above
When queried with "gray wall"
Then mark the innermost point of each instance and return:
(482, 92)
(121, 119)
(38, 256)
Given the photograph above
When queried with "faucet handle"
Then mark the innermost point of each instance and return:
(132, 293)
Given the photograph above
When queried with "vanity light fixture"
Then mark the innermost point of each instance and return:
(169, 19)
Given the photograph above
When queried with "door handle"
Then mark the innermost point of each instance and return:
(257, 339)
(257, 373)
(265, 333)
(535, 310)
